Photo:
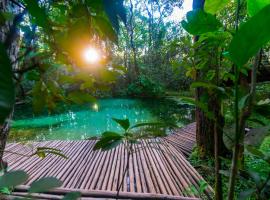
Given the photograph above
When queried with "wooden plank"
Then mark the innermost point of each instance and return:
(158, 168)
(111, 194)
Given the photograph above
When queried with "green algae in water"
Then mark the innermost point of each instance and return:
(82, 122)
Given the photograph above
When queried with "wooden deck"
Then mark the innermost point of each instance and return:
(157, 170)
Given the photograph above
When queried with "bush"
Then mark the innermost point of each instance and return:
(145, 87)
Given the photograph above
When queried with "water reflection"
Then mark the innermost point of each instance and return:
(80, 123)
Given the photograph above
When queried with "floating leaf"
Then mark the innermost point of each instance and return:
(44, 184)
(12, 179)
(213, 6)
(199, 22)
(251, 36)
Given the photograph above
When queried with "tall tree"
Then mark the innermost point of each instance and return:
(9, 40)
(209, 130)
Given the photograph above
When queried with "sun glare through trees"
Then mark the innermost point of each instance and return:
(135, 99)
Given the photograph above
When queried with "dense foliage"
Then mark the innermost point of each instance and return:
(218, 53)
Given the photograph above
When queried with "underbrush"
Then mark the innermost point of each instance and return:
(206, 168)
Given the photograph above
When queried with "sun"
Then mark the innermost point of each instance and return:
(91, 55)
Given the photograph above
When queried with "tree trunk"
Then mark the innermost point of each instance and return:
(204, 125)
(135, 71)
(12, 49)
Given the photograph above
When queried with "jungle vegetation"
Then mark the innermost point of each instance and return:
(217, 59)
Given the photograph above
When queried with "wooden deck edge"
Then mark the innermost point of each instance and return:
(105, 194)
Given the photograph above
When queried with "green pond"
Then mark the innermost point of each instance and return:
(73, 122)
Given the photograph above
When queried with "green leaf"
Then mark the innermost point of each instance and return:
(256, 177)
(124, 123)
(80, 97)
(5, 16)
(229, 136)
(42, 152)
(256, 136)
(7, 91)
(44, 185)
(39, 14)
(39, 93)
(72, 196)
(12, 179)
(243, 101)
(105, 28)
(246, 194)
(225, 172)
(213, 6)
(251, 36)
(254, 6)
(5, 190)
(108, 141)
(207, 86)
(199, 22)
(33, 75)
(154, 124)
(255, 152)
(159, 124)
(115, 10)
(192, 101)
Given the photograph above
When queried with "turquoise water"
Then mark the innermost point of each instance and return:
(82, 122)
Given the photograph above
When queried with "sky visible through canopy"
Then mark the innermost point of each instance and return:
(179, 13)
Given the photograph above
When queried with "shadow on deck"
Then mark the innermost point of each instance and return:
(157, 170)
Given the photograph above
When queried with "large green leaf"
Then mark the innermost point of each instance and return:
(108, 141)
(199, 22)
(124, 123)
(254, 6)
(7, 92)
(251, 36)
(105, 28)
(44, 184)
(256, 136)
(213, 6)
(12, 179)
(115, 10)
(39, 14)
(72, 196)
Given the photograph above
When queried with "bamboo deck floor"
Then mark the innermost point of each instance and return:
(158, 169)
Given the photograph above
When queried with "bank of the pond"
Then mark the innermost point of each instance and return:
(74, 122)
